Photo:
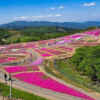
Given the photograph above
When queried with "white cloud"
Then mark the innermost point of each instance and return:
(21, 18)
(39, 17)
(50, 15)
(61, 7)
(91, 4)
(58, 15)
(52, 8)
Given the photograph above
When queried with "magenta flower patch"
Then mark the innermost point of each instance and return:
(42, 53)
(93, 32)
(36, 78)
(52, 51)
(14, 69)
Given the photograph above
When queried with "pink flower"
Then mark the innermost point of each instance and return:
(36, 78)
(51, 51)
(14, 69)
(11, 58)
(3, 60)
(95, 32)
(46, 55)
(66, 48)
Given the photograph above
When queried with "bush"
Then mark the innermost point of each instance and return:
(87, 61)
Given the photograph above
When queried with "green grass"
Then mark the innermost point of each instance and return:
(66, 71)
(18, 93)
(69, 73)
(69, 78)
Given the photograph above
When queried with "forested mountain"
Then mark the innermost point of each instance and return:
(8, 36)
(24, 24)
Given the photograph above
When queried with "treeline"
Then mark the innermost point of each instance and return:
(87, 62)
(4, 34)
(8, 36)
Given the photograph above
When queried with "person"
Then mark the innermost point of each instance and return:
(5, 77)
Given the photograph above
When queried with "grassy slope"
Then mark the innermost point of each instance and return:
(68, 73)
(18, 93)
(33, 34)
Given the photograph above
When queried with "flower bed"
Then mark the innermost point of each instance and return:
(33, 68)
(42, 53)
(43, 42)
(46, 55)
(37, 78)
(11, 58)
(66, 48)
(91, 44)
(93, 32)
(15, 46)
(39, 51)
(37, 61)
(30, 45)
(52, 51)
(14, 69)
(3, 61)
(75, 36)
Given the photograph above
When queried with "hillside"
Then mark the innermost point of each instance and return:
(8, 36)
(24, 24)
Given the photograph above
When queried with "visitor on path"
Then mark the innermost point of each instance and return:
(5, 77)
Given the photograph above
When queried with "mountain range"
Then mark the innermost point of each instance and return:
(74, 25)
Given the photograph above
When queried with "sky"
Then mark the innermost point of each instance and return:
(49, 10)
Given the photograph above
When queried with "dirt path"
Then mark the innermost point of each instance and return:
(92, 94)
(46, 93)
(50, 95)
(1, 98)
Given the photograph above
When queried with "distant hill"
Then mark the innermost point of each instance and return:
(75, 25)
(28, 34)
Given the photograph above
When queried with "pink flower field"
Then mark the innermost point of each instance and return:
(77, 36)
(52, 51)
(11, 58)
(35, 53)
(43, 54)
(5, 60)
(38, 61)
(14, 69)
(36, 78)
(93, 32)
(91, 44)
(66, 48)
(46, 55)
(30, 45)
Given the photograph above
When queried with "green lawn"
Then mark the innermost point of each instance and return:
(18, 93)
(69, 73)
(66, 71)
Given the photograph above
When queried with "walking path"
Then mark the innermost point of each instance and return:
(91, 94)
(46, 93)
(40, 91)
(1, 98)
(50, 95)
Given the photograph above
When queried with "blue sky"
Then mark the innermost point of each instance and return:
(49, 10)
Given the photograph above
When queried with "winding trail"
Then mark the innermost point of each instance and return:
(49, 94)
(43, 92)
(46, 93)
